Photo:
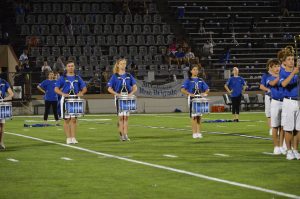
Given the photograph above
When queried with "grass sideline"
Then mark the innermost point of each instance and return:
(42, 173)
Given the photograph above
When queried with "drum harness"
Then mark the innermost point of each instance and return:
(197, 92)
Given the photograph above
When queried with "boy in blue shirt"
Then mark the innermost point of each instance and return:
(235, 86)
(4, 88)
(276, 107)
(121, 82)
(68, 84)
(291, 113)
(50, 97)
(192, 86)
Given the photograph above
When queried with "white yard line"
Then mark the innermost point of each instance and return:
(12, 160)
(164, 167)
(170, 156)
(267, 153)
(66, 158)
(222, 155)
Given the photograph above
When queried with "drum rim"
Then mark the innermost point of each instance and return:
(133, 97)
(74, 100)
(5, 103)
(199, 100)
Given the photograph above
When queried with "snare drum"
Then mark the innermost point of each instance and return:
(199, 106)
(126, 103)
(5, 110)
(74, 107)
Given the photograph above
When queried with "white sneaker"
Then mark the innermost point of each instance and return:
(290, 155)
(296, 154)
(276, 150)
(271, 132)
(69, 141)
(74, 141)
(195, 135)
(126, 137)
(2, 147)
(282, 150)
(199, 135)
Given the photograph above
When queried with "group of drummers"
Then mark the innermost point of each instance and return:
(282, 105)
(64, 94)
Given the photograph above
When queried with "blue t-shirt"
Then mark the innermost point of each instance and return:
(4, 86)
(48, 86)
(264, 82)
(191, 85)
(179, 54)
(277, 90)
(291, 90)
(236, 85)
(65, 82)
(116, 82)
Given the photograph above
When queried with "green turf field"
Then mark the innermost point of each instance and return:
(161, 160)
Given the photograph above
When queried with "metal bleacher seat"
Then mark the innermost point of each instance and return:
(152, 8)
(133, 50)
(86, 30)
(119, 19)
(80, 40)
(117, 29)
(130, 40)
(30, 19)
(127, 29)
(42, 19)
(89, 19)
(66, 51)
(80, 19)
(148, 59)
(47, 8)
(60, 40)
(56, 51)
(98, 29)
(76, 8)
(156, 29)
(83, 61)
(158, 59)
(20, 19)
(111, 40)
(107, 29)
(150, 40)
(35, 51)
(109, 19)
(97, 51)
(156, 19)
(166, 29)
(137, 29)
(90, 40)
(87, 50)
(104, 61)
(77, 51)
(101, 40)
(50, 40)
(44, 30)
(39, 61)
(60, 19)
(123, 51)
(147, 19)
(25, 30)
(55, 30)
(93, 61)
(152, 50)
(51, 19)
(143, 50)
(51, 60)
(147, 29)
(86, 8)
(36, 8)
(121, 40)
(35, 30)
(113, 51)
(99, 19)
(137, 19)
(45, 51)
(140, 40)
(160, 40)
(56, 8)
(128, 19)
(66, 8)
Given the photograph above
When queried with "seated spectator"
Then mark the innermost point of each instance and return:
(59, 66)
(172, 49)
(190, 57)
(94, 84)
(46, 69)
(24, 56)
(179, 55)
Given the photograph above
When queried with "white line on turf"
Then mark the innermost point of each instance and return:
(164, 167)
(92, 128)
(65, 158)
(12, 160)
(251, 125)
(267, 153)
(222, 155)
(221, 126)
(170, 156)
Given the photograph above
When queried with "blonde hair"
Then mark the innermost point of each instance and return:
(285, 53)
(116, 66)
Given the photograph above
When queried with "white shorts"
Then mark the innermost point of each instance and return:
(124, 113)
(268, 106)
(292, 115)
(276, 112)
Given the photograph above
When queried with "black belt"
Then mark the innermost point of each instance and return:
(280, 100)
(291, 98)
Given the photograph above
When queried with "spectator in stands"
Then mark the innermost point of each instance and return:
(284, 8)
(94, 84)
(24, 56)
(104, 78)
(59, 66)
(190, 57)
(46, 69)
(172, 50)
(179, 55)
(33, 42)
(68, 24)
(133, 69)
(19, 8)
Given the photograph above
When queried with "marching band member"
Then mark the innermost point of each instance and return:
(50, 97)
(235, 86)
(122, 83)
(66, 85)
(4, 88)
(290, 107)
(276, 106)
(192, 87)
